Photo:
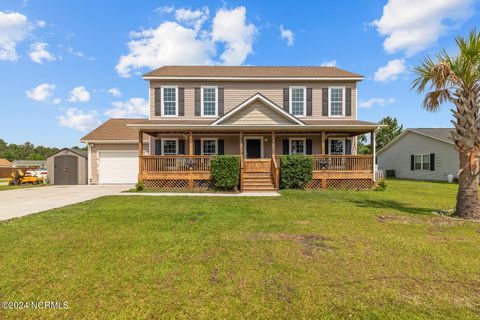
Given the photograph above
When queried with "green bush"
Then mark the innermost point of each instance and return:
(139, 186)
(226, 171)
(296, 171)
(381, 186)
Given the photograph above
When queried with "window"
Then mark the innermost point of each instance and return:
(169, 101)
(169, 146)
(297, 146)
(336, 146)
(209, 101)
(422, 162)
(336, 99)
(298, 101)
(209, 147)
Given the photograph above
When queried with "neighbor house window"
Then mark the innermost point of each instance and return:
(336, 101)
(169, 101)
(298, 101)
(209, 147)
(422, 162)
(336, 146)
(297, 146)
(209, 101)
(169, 146)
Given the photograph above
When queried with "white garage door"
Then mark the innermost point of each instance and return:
(118, 167)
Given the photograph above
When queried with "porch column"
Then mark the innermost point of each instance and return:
(140, 154)
(374, 152)
(190, 143)
(273, 143)
(241, 161)
(323, 143)
(241, 144)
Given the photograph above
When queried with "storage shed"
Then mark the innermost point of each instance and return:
(68, 166)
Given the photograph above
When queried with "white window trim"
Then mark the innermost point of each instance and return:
(330, 101)
(304, 144)
(421, 161)
(252, 138)
(304, 114)
(216, 146)
(168, 139)
(330, 144)
(216, 102)
(176, 101)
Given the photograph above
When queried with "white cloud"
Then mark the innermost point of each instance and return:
(186, 42)
(376, 101)
(78, 119)
(56, 101)
(38, 52)
(331, 63)
(41, 24)
(14, 28)
(165, 9)
(79, 94)
(41, 93)
(132, 108)
(115, 92)
(412, 25)
(391, 71)
(287, 35)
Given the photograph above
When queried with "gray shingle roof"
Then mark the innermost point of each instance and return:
(439, 133)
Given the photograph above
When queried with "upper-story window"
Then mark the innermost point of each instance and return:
(298, 101)
(170, 101)
(209, 101)
(336, 103)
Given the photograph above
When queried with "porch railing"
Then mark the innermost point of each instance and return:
(180, 163)
(342, 162)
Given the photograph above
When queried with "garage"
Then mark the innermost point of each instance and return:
(67, 167)
(115, 167)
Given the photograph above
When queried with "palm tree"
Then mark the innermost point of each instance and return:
(456, 79)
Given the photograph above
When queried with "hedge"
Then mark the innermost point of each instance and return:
(226, 171)
(296, 171)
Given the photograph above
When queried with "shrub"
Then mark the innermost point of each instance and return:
(296, 171)
(226, 171)
(139, 186)
(381, 186)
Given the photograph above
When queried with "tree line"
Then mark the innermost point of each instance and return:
(27, 151)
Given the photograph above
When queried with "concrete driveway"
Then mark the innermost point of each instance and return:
(22, 202)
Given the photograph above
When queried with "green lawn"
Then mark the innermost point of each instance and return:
(7, 187)
(330, 254)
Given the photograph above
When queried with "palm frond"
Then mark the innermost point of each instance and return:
(434, 99)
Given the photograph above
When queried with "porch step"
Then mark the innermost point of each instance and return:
(258, 189)
(257, 182)
(256, 175)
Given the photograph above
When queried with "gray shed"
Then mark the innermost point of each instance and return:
(68, 166)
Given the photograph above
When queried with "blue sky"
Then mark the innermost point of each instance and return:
(67, 66)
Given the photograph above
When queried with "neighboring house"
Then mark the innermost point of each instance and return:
(422, 154)
(197, 112)
(4, 163)
(29, 163)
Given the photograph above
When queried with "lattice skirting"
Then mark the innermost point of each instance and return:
(177, 184)
(351, 184)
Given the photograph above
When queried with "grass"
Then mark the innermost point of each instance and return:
(24, 186)
(330, 254)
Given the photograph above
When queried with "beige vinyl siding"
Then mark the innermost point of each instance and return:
(397, 157)
(237, 92)
(257, 114)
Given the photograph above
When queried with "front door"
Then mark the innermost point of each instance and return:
(254, 148)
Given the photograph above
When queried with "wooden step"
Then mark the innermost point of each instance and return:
(259, 189)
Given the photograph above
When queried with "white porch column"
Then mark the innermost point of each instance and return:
(374, 152)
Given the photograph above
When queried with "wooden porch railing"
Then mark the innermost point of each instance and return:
(275, 171)
(342, 163)
(180, 163)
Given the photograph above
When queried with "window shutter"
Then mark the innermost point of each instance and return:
(309, 146)
(348, 102)
(285, 147)
(348, 146)
(432, 161)
(309, 101)
(158, 101)
(221, 147)
(286, 99)
(325, 102)
(181, 146)
(220, 102)
(158, 147)
(181, 101)
(327, 151)
(197, 102)
(412, 162)
(198, 147)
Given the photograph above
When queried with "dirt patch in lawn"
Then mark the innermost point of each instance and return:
(436, 221)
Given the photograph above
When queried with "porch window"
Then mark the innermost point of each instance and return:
(169, 101)
(209, 101)
(422, 162)
(336, 146)
(298, 101)
(209, 147)
(169, 146)
(336, 101)
(297, 146)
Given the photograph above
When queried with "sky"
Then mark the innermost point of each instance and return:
(68, 66)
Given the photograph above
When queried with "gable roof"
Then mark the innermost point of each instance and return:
(5, 163)
(82, 153)
(114, 130)
(441, 134)
(215, 72)
(267, 102)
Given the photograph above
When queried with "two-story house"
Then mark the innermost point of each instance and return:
(259, 113)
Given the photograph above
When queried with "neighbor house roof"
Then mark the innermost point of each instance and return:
(29, 162)
(5, 163)
(441, 134)
(250, 72)
(114, 130)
